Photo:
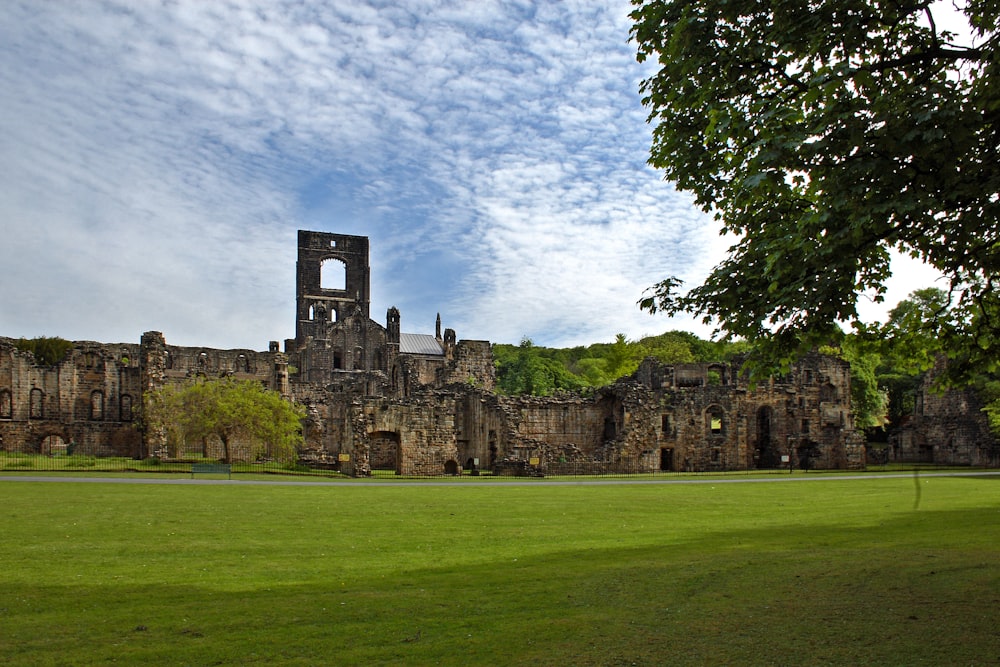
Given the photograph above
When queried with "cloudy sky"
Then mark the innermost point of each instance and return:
(158, 158)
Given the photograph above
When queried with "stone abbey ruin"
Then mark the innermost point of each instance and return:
(424, 404)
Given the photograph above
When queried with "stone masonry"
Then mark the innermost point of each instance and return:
(425, 404)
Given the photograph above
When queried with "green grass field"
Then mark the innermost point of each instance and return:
(840, 572)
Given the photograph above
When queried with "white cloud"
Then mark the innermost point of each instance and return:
(159, 158)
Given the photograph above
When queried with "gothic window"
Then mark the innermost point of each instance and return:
(6, 405)
(169, 363)
(35, 410)
(242, 364)
(126, 408)
(97, 405)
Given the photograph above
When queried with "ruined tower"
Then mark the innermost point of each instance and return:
(332, 281)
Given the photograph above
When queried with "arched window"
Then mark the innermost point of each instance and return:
(6, 405)
(333, 274)
(35, 410)
(97, 405)
(715, 420)
(126, 408)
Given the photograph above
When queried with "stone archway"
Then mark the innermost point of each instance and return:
(384, 450)
(53, 444)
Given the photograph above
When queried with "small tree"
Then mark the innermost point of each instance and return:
(230, 410)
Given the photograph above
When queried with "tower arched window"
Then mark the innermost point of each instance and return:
(333, 274)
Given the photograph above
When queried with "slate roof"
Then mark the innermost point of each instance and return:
(420, 344)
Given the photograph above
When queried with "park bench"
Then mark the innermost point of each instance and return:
(211, 469)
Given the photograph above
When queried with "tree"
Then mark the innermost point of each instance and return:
(230, 410)
(869, 401)
(822, 135)
(527, 370)
(912, 338)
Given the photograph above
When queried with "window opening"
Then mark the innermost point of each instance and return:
(97, 405)
(333, 275)
(35, 404)
(715, 420)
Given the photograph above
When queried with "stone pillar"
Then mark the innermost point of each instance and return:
(152, 374)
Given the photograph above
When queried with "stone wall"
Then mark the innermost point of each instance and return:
(948, 427)
(87, 403)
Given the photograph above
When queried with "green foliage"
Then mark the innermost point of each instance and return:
(526, 369)
(869, 401)
(540, 371)
(48, 351)
(916, 331)
(822, 135)
(228, 409)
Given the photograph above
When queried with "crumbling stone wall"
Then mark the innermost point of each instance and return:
(948, 427)
(470, 362)
(87, 403)
(566, 427)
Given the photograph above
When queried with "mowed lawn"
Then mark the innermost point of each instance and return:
(839, 571)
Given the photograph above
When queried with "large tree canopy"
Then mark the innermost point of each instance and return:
(230, 410)
(822, 134)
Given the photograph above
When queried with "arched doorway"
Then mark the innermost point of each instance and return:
(765, 455)
(53, 445)
(451, 467)
(666, 459)
(383, 451)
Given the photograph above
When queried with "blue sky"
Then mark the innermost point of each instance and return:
(158, 159)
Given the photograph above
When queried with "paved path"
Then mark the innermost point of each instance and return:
(482, 483)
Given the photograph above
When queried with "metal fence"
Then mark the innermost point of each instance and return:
(15, 462)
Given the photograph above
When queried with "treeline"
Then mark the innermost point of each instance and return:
(541, 371)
